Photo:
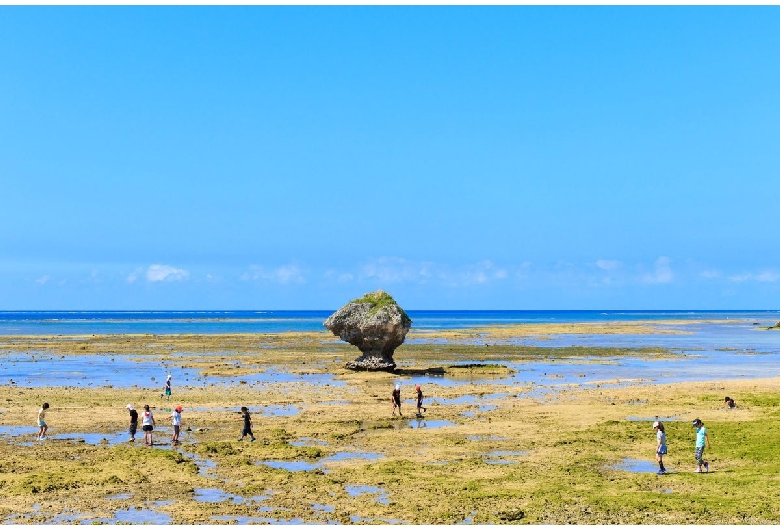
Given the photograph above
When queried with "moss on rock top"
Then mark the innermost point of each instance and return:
(379, 299)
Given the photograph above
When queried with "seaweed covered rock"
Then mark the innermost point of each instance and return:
(376, 324)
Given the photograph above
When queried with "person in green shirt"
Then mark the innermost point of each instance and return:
(701, 438)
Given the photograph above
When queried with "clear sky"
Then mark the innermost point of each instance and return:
(457, 157)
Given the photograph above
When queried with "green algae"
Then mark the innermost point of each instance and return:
(379, 300)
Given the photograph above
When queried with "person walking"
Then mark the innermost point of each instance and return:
(176, 417)
(167, 389)
(701, 438)
(42, 427)
(133, 422)
(420, 401)
(147, 424)
(247, 430)
(660, 448)
(397, 399)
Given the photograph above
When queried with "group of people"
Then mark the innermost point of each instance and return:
(396, 398)
(147, 423)
(147, 418)
(702, 440)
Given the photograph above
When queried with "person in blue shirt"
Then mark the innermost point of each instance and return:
(701, 438)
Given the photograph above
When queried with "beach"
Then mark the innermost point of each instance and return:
(531, 423)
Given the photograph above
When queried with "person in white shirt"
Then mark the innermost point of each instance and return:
(176, 417)
(147, 422)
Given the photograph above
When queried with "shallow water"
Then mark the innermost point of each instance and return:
(215, 495)
(743, 336)
(422, 423)
(239, 519)
(704, 365)
(243, 520)
(347, 455)
(295, 465)
(325, 508)
(302, 465)
(496, 457)
(356, 491)
(14, 431)
(142, 516)
(204, 465)
(448, 380)
(638, 466)
(480, 408)
(359, 519)
(707, 353)
(119, 497)
(652, 419)
(93, 438)
(127, 371)
(279, 410)
(469, 399)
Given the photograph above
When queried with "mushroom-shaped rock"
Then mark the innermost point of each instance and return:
(376, 324)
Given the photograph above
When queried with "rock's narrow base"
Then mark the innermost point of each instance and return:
(376, 364)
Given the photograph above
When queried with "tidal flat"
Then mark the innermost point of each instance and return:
(513, 433)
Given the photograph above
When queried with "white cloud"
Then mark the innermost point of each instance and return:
(393, 270)
(763, 276)
(608, 264)
(283, 275)
(43, 280)
(480, 274)
(133, 276)
(165, 273)
(662, 272)
(710, 274)
(767, 276)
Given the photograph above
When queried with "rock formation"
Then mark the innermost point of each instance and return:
(376, 324)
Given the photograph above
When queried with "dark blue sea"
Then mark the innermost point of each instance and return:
(213, 322)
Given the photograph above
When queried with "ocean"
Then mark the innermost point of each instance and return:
(217, 322)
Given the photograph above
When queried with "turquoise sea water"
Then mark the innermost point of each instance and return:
(209, 322)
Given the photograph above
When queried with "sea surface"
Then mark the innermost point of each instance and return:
(214, 322)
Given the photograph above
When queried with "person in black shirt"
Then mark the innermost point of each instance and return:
(397, 399)
(133, 422)
(419, 401)
(247, 431)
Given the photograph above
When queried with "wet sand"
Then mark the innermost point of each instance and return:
(495, 445)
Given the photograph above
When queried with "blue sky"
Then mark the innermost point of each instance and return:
(457, 157)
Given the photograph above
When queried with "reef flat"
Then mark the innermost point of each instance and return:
(498, 443)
